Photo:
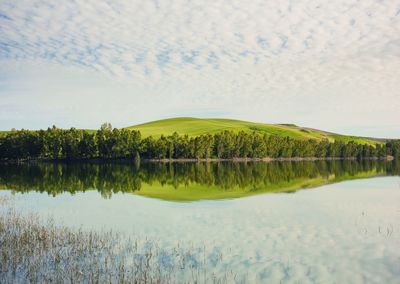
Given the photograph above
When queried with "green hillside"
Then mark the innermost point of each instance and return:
(198, 126)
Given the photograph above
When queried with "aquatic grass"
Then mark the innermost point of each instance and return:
(39, 251)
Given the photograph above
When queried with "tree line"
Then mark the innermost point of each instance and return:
(107, 143)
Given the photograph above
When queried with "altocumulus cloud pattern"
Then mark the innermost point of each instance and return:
(269, 52)
(132, 38)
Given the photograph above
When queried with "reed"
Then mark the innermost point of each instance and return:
(39, 251)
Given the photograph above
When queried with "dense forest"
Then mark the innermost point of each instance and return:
(108, 143)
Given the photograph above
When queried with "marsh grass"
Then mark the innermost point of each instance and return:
(39, 251)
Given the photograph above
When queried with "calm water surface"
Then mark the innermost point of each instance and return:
(324, 222)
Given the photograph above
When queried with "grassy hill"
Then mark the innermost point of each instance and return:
(198, 126)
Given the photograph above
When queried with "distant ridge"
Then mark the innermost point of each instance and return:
(199, 126)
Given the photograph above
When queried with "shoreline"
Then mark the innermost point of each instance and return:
(192, 160)
(266, 159)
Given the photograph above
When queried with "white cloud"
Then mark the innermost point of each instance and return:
(302, 62)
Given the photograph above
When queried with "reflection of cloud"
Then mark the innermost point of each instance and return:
(311, 236)
(221, 52)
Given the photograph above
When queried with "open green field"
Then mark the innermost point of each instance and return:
(198, 126)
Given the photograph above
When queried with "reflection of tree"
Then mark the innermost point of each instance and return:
(112, 178)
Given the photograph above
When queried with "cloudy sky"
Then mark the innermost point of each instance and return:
(333, 65)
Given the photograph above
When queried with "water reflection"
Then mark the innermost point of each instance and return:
(313, 236)
(186, 181)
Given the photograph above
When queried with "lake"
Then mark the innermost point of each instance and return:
(290, 222)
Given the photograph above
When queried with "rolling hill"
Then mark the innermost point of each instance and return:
(198, 126)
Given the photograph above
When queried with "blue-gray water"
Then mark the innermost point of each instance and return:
(344, 232)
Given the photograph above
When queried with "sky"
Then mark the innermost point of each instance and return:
(332, 65)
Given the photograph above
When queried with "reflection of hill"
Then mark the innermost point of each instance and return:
(187, 181)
